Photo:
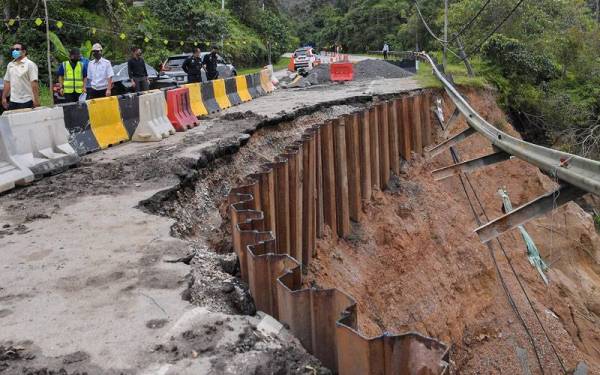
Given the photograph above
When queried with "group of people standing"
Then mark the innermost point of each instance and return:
(79, 77)
(193, 65)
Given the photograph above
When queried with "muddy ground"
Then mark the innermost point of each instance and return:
(415, 263)
(138, 232)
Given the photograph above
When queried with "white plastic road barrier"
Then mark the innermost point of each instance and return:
(154, 124)
(12, 171)
(41, 140)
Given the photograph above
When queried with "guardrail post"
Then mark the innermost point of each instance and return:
(353, 155)
(426, 119)
(341, 178)
(329, 210)
(374, 138)
(394, 140)
(405, 136)
(417, 131)
(365, 155)
(384, 145)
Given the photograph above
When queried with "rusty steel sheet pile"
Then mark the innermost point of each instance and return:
(321, 180)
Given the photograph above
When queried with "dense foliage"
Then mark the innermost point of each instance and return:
(160, 27)
(545, 59)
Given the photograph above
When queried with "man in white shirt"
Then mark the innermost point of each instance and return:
(386, 50)
(99, 74)
(20, 81)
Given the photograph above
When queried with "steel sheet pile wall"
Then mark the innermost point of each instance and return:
(279, 213)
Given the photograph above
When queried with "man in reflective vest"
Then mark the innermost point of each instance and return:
(72, 76)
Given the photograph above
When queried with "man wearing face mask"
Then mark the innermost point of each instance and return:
(20, 81)
(210, 62)
(136, 68)
(99, 73)
(72, 76)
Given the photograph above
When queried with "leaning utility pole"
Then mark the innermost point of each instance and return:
(48, 46)
(444, 57)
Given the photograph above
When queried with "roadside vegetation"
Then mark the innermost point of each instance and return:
(161, 28)
(543, 56)
(544, 59)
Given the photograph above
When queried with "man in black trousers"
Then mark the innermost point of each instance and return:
(193, 67)
(210, 62)
(136, 67)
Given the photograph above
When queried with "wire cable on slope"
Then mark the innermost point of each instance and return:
(456, 159)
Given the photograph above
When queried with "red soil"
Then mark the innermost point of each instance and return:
(414, 263)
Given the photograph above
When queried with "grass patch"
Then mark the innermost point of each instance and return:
(597, 221)
(281, 64)
(456, 69)
(45, 96)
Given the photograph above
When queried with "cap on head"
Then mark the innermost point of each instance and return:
(97, 47)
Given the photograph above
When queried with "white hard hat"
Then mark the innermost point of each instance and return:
(97, 47)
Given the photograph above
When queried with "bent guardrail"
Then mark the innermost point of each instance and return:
(576, 175)
(575, 170)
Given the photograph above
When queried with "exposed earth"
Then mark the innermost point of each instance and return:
(124, 264)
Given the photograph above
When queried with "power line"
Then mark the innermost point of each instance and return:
(439, 40)
(470, 23)
(425, 23)
(513, 10)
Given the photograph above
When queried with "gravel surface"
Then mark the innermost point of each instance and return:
(363, 70)
(372, 69)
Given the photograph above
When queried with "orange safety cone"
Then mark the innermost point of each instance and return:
(292, 65)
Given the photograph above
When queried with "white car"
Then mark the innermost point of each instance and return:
(304, 58)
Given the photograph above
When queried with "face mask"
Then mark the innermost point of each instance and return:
(74, 60)
(16, 54)
(96, 54)
(213, 53)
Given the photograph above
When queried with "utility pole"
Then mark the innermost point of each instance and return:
(444, 58)
(48, 47)
(464, 57)
(222, 36)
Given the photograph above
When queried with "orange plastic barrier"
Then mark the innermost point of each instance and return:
(341, 71)
(179, 110)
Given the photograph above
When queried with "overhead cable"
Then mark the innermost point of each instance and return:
(440, 40)
(470, 23)
(513, 10)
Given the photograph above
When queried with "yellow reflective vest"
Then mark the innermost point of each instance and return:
(73, 79)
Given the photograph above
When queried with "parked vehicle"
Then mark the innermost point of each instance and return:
(122, 83)
(304, 58)
(172, 68)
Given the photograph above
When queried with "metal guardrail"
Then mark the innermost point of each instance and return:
(575, 170)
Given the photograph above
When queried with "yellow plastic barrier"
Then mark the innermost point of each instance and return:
(265, 80)
(242, 88)
(105, 121)
(196, 102)
(221, 94)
